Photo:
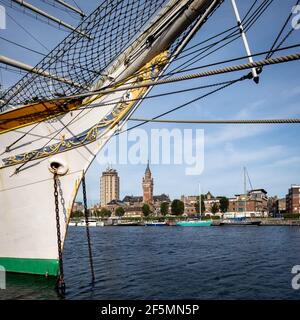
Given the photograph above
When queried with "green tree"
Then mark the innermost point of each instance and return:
(77, 214)
(177, 207)
(164, 208)
(146, 210)
(224, 204)
(120, 212)
(214, 208)
(202, 205)
(105, 212)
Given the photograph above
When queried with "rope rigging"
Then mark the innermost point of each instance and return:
(182, 78)
(252, 121)
(233, 36)
(249, 76)
(228, 69)
(270, 54)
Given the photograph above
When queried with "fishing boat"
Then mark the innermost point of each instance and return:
(195, 223)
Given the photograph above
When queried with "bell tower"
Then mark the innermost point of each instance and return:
(148, 186)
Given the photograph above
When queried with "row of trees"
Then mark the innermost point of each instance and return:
(222, 206)
(177, 208)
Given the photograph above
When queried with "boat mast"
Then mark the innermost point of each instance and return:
(245, 191)
(200, 202)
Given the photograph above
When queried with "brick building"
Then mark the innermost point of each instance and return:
(254, 202)
(293, 199)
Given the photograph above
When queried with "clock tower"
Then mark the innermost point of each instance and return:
(148, 186)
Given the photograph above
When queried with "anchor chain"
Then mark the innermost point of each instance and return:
(60, 284)
(86, 214)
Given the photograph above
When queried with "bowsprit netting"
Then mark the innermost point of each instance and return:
(78, 61)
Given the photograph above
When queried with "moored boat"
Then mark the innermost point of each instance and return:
(194, 223)
(129, 224)
(91, 223)
(155, 224)
(240, 222)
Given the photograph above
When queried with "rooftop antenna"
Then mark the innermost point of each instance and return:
(245, 40)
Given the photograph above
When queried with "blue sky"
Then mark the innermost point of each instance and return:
(270, 153)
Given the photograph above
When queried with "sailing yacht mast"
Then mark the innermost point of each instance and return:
(245, 192)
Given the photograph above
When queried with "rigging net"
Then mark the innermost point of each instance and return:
(81, 60)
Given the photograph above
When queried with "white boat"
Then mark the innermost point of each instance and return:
(100, 223)
(91, 223)
(41, 134)
(72, 224)
(156, 224)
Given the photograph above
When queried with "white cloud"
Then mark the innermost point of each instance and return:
(233, 133)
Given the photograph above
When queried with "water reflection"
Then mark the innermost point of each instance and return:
(19, 286)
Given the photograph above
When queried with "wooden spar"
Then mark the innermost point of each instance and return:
(245, 40)
(50, 17)
(67, 5)
(26, 67)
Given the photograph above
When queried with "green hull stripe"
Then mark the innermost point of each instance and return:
(32, 266)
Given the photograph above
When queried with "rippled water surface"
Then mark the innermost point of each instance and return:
(173, 263)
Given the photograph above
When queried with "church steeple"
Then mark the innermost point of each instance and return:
(148, 186)
(148, 171)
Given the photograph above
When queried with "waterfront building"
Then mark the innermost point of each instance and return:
(191, 201)
(255, 202)
(133, 212)
(281, 206)
(209, 201)
(113, 205)
(148, 186)
(78, 207)
(132, 200)
(273, 206)
(110, 186)
(293, 199)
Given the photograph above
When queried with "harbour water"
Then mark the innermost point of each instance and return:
(173, 263)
